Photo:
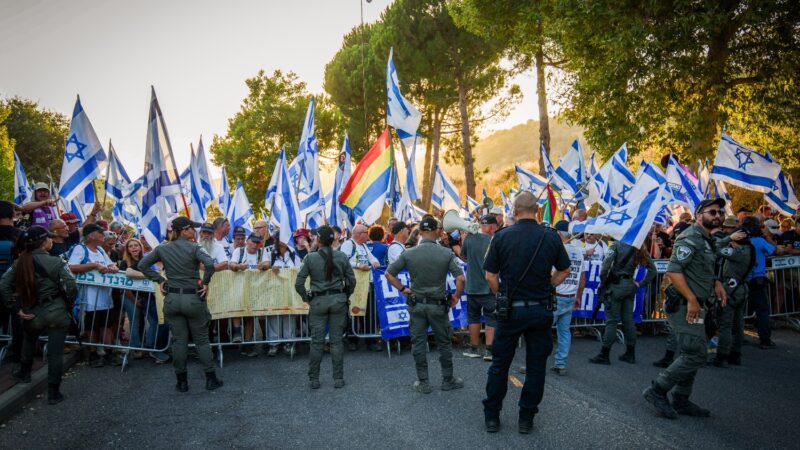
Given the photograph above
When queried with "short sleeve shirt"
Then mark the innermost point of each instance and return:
(792, 238)
(360, 256)
(577, 266)
(218, 253)
(251, 259)
(694, 257)
(474, 250)
(763, 249)
(92, 298)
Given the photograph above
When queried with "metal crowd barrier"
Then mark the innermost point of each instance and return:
(784, 289)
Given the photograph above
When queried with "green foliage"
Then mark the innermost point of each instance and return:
(272, 116)
(6, 158)
(40, 136)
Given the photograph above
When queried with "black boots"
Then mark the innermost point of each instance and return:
(629, 356)
(720, 360)
(212, 382)
(53, 395)
(23, 374)
(658, 398)
(602, 357)
(666, 360)
(735, 359)
(183, 384)
(683, 406)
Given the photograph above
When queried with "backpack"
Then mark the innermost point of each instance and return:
(85, 252)
(260, 253)
(352, 253)
(6, 256)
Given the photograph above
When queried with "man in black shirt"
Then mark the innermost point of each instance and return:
(791, 239)
(8, 236)
(525, 275)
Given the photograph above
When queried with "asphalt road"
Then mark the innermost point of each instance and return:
(265, 404)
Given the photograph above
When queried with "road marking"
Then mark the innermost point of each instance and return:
(515, 381)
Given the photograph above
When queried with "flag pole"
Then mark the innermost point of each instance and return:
(108, 171)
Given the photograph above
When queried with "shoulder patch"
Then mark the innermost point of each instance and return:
(683, 252)
(727, 251)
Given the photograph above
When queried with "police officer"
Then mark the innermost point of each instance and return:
(332, 282)
(184, 297)
(520, 263)
(36, 289)
(617, 271)
(691, 272)
(738, 258)
(428, 264)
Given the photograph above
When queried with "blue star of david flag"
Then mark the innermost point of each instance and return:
(224, 199)
(619, 183)
(529, 181)
(507, 205)
(549, 170)
(629, 223)
(83, 155)
(400, 113)
(683, 185)
(82, 205)
(200, 190)
(782, 197)
(285, 210)
(743, 167)
(411, 173)
(339, 214)
(22, 191)
(241, 213)
(118, 183)
(571, 173)
(445, 195)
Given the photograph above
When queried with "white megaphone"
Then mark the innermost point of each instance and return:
(452, 221)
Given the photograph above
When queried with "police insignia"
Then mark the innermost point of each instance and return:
(727, 251)
(683, 252)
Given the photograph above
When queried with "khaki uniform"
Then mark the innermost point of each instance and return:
(184, 309)
(327, 307)
(428, 264)
(51, 310)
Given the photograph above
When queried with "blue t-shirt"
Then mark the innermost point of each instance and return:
(379, 251)
(763, 249)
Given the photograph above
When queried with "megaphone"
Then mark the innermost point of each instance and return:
(451, 222)
(488, 203)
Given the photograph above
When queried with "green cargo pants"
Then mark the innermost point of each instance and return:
(693, 347)
(619, 305)
(435, 316)
(51, 318)
(184, 313)
(327, 312)
(731, 322)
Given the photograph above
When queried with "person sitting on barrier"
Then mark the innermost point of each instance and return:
(250, 257)
(332, 282)
(138, 304)
(280, 327)
(37, 288)
(95, 302)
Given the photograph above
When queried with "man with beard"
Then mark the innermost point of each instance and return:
(212, 247)
(694, 284)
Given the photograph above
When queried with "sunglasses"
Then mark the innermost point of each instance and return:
(712, 212)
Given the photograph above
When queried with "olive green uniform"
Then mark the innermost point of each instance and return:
(327, 306)
(428, 264)
(621, 296)
(735, 266)
(693, 255)
(50, 309)
(184, 309)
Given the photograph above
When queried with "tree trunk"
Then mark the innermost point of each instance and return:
(403, 151)
(469, 163)
(436, 132)
(541, 93)
(425, 201)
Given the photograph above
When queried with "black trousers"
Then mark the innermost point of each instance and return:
(534, 323)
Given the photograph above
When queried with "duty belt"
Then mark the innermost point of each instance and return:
(173, 290)
(328, 292)
(430, 301)
(519, 303)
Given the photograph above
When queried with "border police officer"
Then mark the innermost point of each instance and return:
(691, 272)
(428, 264)
(738, 258)
(520, 263)
(332, 282)
(184, 297)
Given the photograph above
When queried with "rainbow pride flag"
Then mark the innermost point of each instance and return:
(550, 207)
(366, 189)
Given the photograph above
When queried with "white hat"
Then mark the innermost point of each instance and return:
(772, 226)
(496, 211)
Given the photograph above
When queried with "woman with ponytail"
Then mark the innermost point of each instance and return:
(332, 282)
(39, 288)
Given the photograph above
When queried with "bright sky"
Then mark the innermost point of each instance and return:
(197, 54)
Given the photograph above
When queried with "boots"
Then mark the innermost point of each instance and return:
(212, 382)
(629, 356)
(53, 395)
(658, 397)
(666, 360)
(682, 405)
(23, 374)
(720, 360)
(183, 384)
(602, 357)
(735, 359)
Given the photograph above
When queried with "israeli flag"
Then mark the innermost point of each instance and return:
(508, 207)
(400, 113)
(406, 211)
(782, 197)
(83, 204)
(309, 194)
(241, 213)
(549, 170)
(702, 177)
(118, 183)
(22, 191)
(285, 211)
(161, 177)
(595, 182)
(445, 195)
(571, 173)
(629, 223)
(648, 177)
(619, 183)
(744, 167)
(529, 181)
(224, 199)
(338, 214)
(83, 156)
(472, 204)
(683, 185)
(394, 193)
(201, 189)
(411, 173)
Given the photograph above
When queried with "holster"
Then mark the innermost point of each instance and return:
(673, 300)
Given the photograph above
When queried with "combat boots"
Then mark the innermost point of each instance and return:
(658, 397)
(629, 356)
(212, 382)
(683, 406)
(720, 361)
(735, 359)
(23, 374)
(602, 357)
(666, 360)
(53, 394)
(183, 384)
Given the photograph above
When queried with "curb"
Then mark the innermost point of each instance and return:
(19, 395)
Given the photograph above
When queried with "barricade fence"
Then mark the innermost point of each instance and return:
(135, 307)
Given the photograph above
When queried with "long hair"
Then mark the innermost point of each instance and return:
(642, 254)
(25, 273)
(325, 241)
(128, 258)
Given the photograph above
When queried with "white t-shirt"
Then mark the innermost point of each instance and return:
(225, 244)
(251, 260)
(93, 298)
(361, 256)
(577, 266)
(600, 250)
(218, 253)
(288, 259)
(395, 250)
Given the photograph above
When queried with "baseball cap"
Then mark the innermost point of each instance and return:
(69, 218)
(772, 226)
(302, 232)
(92, 228)
(207, 227)
(183, 223)
(399, 226)
(562, 225)
(429, 223)
(239, 231)
(39, 186)
(488, 219)
(496, 210)
(706, 203)
(730, 222)
(36, 233)
(255, 237)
